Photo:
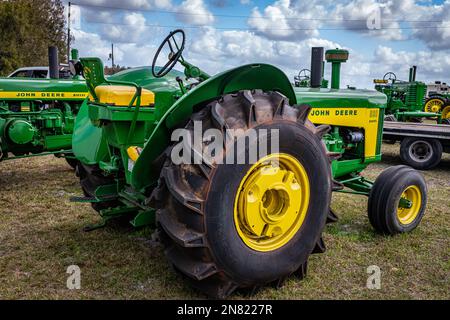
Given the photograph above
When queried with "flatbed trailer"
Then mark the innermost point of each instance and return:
(421, 144)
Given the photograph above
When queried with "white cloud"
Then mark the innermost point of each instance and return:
(286, 20)
(433, 65)
(194, 12)
(126, 54)
(217, 51)
(131, 30)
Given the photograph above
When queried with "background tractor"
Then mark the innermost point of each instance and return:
(406, 99)
(438, 100)
(303, 79)
(37, 116)
(224, 223)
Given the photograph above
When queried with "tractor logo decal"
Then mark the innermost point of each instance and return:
(43, 95)
(364, 118)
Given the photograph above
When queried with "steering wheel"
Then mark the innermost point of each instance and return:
(304, 74)
(390, 76)
(176, 49)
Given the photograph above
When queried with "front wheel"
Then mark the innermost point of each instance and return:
(421, 154)
(397, 200)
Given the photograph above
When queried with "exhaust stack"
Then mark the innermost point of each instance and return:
(316, 67)
(53, 62)
(412, 74)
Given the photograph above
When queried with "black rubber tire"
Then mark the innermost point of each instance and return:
(72, 162)
(196, 219)
(91, 178)
(385, 195)
(431, 160)
(446, 121)
(390, 117)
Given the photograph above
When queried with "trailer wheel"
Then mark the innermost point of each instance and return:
(421, 154)
(397, 200)
(227, 226)
(91, 178)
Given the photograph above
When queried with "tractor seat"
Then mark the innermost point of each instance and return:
(122, 95)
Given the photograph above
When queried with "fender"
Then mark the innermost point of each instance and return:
(88, 142)
(247, 77)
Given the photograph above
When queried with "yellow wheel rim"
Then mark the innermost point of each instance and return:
(446, 113)
(271, 203)
(434, 105)
(408, 213)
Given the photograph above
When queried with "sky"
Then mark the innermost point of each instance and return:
(381, 35)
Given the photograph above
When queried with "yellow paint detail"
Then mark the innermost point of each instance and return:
(122, 95)
(271, 203)
(434, 105)
(134, 153)
(446, 113)
(363, 118)
(43, 95)
(408, 215)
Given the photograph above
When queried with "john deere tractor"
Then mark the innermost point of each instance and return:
(303, 79)
(236, 170)
(438, 101)
(37, 116)
(406, 99)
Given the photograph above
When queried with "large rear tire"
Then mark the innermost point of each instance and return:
(212, 232)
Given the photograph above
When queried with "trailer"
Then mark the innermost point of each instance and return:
(421, 144)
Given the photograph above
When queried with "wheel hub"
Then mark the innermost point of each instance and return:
(409, 205)
(421, 151)
(272, 202)
(434, 105)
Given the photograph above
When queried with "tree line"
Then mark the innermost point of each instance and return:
(28, 28)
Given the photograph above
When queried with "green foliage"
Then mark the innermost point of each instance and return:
(29, 27)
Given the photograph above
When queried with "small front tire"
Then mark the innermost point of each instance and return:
(397, 200)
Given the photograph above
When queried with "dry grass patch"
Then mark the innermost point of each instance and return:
(41, 234)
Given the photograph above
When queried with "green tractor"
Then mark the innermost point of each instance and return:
(406, 99)
(37, 116)
(439, 102)
(235, 170)
(303, 79)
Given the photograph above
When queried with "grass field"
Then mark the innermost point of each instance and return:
(41, 235)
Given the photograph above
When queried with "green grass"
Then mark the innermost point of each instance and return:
(41, 234)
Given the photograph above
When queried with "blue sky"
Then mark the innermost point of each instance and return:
(226, 33)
